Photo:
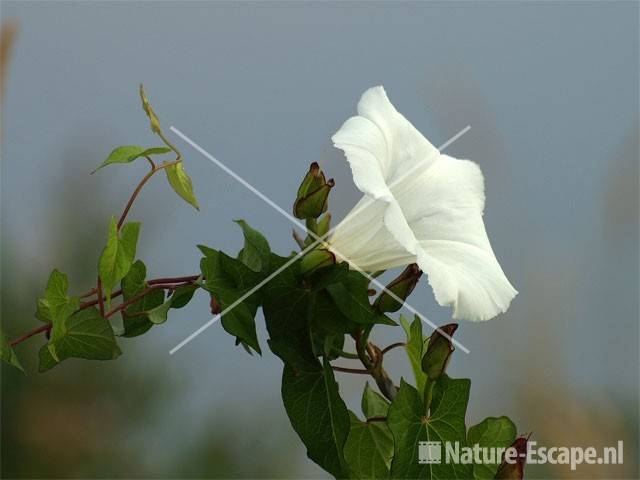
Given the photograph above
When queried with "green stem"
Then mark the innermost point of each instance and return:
(372, 362)
(170, 145)
(138, 188)
(312, 226)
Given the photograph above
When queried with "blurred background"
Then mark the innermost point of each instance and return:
(550, 90)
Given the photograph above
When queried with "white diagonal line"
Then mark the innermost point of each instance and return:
(239, 300)
(317, 238)
(409, 172)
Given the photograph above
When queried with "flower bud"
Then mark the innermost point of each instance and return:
(313, 194)
(401, 287)
(316, 259)
(439, 350)
(514, 468)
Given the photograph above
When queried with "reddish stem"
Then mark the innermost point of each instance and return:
(351, 370)
(31, 333)
(376, 419)
(132, 300)
(159, 283)
(188, 279)
(100, 297)
(138, 188)
(392, 346)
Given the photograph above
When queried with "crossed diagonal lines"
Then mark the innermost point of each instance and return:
(317, 239)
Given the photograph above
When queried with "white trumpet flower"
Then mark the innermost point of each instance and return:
(419, 206)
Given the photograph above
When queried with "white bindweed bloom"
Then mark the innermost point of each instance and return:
(419, 207)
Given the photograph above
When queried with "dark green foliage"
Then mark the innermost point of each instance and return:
(316, 312)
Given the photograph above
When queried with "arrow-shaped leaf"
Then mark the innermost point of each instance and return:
(318, 414)
(118, 255)
(129, 153)
(181, 183)
(7, 354)
(410, 426)
(85, 334)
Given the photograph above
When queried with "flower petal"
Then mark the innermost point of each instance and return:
(455, 252)
(422, 207)
(407, 148)
(363, 239)
(366, 151)
(381, 144)
(382, 148)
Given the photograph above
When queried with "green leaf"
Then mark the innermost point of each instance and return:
(256, 251)
(409, 426)
(42, 310)
(181, 183)
(56, 304)
(317, 414)
(415, 348)
(286, 300)
(118, 255)
(301, 317)
(128, 153)
(134, 319)
(159, 314)
(491, 432)
(151, 308)
(374, 404)
(182, 295)
(351, 296)
(228, 280)
(286, 306)
(85, 334)
(6, 352)
(369, 449)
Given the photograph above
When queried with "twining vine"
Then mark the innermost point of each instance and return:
(317, 311)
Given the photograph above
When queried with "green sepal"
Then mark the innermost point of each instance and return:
(438, 351)
(399, 288)
(316, 260)
(312, 197)
(415, 348)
